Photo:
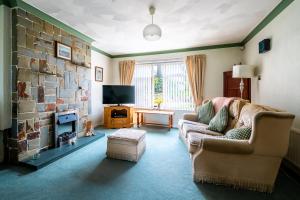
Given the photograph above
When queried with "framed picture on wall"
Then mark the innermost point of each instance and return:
(99, 74)
(63, 51)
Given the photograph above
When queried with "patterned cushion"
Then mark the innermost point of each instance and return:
(206, 112)
(242, 133)
(219, 122)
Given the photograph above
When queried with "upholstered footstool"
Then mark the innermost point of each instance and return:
(126, 144)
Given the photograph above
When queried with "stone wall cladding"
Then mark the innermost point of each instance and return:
(43, 84)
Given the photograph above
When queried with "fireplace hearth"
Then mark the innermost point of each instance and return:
(66, 129)
(51, 155)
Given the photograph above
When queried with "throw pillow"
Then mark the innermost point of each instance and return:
(219, 122)
(242, 133)
(206, 112)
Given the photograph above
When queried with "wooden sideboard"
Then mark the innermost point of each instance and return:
(231, 86)
(118, 117)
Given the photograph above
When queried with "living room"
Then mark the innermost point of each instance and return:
(149, 99)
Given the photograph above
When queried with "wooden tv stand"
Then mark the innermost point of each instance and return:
(118, 117)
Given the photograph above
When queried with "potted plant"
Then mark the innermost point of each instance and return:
(158, 101)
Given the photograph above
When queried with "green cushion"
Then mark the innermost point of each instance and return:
(242, 133)
(206, 112)
(219, 122)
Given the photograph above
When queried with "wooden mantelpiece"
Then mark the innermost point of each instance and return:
(118, 117)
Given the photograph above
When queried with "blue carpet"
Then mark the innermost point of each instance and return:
(163, 172)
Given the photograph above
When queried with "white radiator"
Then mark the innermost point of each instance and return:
(293, 154)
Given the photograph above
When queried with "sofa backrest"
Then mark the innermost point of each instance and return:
(235, 107)
(270, 128)
(248, 112)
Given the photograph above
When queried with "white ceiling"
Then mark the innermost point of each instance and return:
(117, 25)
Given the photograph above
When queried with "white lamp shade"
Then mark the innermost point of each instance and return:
(243, 71)
(152, 32)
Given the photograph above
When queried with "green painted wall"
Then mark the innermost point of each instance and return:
(273, 14)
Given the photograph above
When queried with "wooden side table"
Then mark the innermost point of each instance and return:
(140, 117)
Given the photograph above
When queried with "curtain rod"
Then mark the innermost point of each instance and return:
(172, 60)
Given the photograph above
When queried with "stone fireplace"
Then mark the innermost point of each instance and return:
(44, 86)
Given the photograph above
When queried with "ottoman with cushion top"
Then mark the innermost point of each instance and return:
(126, 144)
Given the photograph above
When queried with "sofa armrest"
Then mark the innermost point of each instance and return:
(190, 117)
(271, 133)
(223, 145)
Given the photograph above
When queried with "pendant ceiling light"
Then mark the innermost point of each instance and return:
(152, 32)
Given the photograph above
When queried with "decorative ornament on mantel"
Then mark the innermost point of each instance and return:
(152, 32)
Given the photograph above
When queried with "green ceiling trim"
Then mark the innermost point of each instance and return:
(21, 4)
(274, 13)
(102, 52)
(179, 50)
(25, 6)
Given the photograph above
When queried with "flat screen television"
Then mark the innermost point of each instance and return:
(118, 94)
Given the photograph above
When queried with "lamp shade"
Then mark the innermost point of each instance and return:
(152, 32)
(243, 71)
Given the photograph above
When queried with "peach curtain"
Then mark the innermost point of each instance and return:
(195, 69)
(126, 71)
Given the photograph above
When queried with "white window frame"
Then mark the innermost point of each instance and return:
(186, 102)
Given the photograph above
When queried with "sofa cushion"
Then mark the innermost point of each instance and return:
(183, 121)
(198, 128)
(219, 122)
(209, 132)
(205, 112)
(242, 133)
(188, 127)
(194, 141)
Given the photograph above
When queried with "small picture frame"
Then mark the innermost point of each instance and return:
(99, 74)
(63, 51)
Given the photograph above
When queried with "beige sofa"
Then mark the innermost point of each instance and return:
(251, 164)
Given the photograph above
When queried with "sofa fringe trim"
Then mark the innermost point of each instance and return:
(235, 183)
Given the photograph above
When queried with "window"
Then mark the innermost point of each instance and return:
(142, 79)
(165, 81)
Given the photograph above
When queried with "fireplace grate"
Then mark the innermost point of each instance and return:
(66, 128)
